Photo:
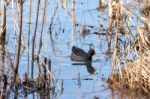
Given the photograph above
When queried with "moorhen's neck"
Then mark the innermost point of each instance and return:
(90, 54)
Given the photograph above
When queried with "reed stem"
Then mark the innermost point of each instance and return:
(19, 38)
(34, 37)
(29, 26)
(3, 22)
(73, 23)
(43, 21)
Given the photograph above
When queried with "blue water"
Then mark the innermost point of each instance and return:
(62, 68)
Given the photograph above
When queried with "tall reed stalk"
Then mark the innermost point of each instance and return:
(29, 26)
(51, 27)
(73, 23)
(34, 37)
(141, 34)
(41, 33)
(109, 34)
(19, 48)
(109, 12)
(3, 22)
(65, 4)
(43, 21)
(19, 38)
(2, 32)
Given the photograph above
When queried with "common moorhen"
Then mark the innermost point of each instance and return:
(79, 54)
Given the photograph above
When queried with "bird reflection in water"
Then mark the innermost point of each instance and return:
(88, 65)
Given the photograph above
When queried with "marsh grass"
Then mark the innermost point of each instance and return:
(131, 76)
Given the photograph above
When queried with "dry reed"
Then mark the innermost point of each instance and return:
(73, 23)
(3, 22)
(131, 77)
(34, 37)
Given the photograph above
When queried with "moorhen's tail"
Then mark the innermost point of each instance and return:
(78, 51)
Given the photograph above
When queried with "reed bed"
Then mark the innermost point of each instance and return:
(134, 77)
(130, 75)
